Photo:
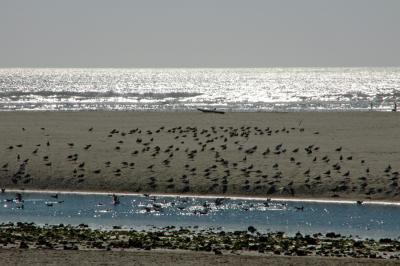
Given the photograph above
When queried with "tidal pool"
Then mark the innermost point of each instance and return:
(149, 212)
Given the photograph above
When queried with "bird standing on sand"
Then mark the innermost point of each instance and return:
(150, 167)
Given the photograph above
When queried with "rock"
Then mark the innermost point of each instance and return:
(332, 235)
(217, 252)
(251, 229)
(23, 245)
(301, 252)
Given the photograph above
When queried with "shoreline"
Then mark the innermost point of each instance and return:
(195, 110)
(207, 196)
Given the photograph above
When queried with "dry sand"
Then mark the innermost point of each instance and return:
(60, 257)
(197, 160)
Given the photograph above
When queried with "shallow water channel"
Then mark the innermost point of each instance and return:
(149, 212)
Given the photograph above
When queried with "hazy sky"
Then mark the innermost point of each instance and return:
(202, 33)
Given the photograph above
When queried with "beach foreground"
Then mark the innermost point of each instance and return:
(88, 257)
(314, 155)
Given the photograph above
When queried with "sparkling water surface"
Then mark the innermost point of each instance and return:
(247, 89)
(138, 212)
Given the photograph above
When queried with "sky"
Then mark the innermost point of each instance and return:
(202, 33)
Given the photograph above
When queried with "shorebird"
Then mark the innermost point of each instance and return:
(388, 168)
(115, 200)
(277, 147)
(266, 151)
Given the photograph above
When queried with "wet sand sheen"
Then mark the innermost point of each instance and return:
(306, 155)
(210, 196)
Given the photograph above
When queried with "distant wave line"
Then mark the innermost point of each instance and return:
(97, 94)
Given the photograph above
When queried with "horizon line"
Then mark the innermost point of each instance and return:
(186, 67)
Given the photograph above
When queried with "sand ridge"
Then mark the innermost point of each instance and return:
(321, 155)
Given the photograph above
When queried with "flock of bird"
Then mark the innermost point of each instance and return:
(188, 159)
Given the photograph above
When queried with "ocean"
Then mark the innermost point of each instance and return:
(185, 89)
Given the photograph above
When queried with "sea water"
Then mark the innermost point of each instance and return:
(176, 89)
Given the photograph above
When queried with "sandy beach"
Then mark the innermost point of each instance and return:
(349, 155)
(88, 257)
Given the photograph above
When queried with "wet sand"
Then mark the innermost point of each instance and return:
(87, 257)
(352, 155)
